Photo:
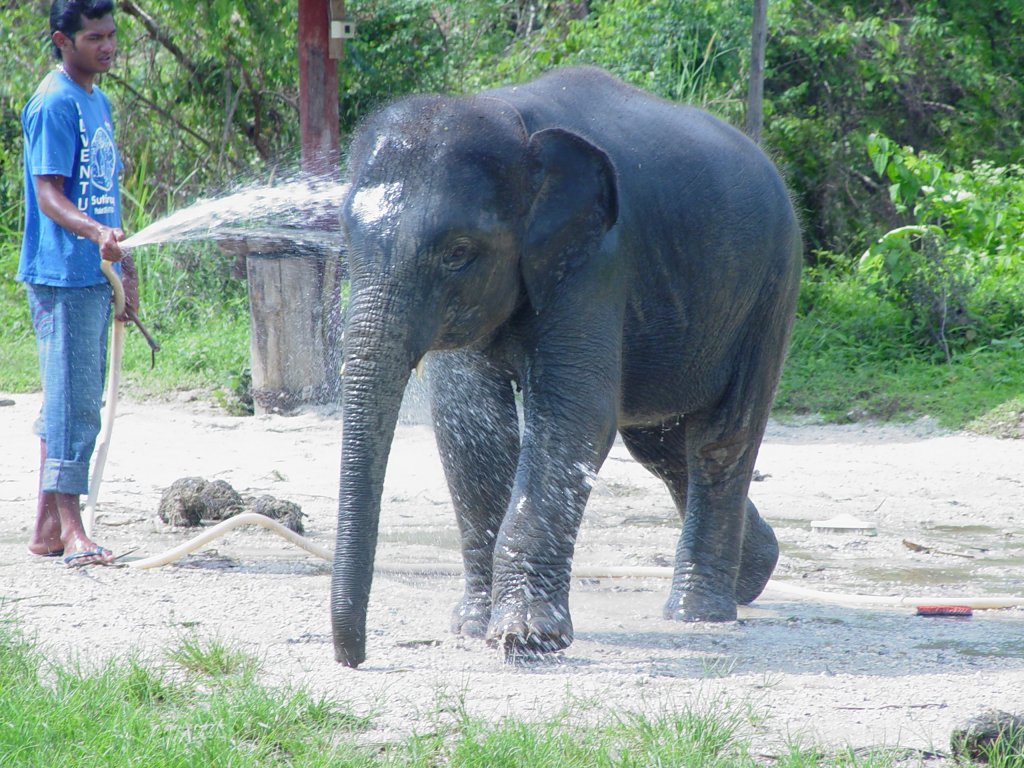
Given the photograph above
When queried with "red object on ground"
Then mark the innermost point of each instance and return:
(944, 610)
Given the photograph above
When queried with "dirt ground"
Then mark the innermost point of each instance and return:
(794, 670)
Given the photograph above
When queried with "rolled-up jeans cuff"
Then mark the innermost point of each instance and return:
(65, 477)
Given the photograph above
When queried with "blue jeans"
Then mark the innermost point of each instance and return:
(71, 335)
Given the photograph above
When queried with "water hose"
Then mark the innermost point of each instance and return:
(788, 589)
(113, 384)
(774, 588)
(216, 531)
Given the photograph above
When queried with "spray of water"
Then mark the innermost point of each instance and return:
(295, 211)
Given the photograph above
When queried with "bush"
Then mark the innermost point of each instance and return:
(957, 266)
(935, 75)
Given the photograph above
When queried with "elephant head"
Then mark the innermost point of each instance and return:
(456, 219)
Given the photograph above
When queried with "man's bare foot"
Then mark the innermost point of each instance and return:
(46, 536)
(46, 549)
(78, 548)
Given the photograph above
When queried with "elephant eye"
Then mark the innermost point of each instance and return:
(459, 254)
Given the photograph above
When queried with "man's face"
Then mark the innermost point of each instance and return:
(92, 48)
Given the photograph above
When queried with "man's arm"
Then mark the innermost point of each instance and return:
(56, 205)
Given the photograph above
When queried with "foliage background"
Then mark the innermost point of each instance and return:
(898, 125)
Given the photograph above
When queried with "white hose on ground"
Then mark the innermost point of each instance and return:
(113, 384)
(783, 589)
(246, 518)
(774, 589)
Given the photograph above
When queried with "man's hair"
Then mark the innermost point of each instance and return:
(66, 16)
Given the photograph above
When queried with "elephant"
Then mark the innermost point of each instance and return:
(623, 265)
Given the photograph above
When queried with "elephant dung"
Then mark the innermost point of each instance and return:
(221, 501)
(182, 503)
(288, 513)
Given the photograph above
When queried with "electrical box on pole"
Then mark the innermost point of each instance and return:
(342, 29)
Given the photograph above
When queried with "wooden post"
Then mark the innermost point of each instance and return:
(755, 95)
(294, 291)
(318, 88)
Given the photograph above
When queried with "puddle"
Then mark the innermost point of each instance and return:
(916, 576)
(916, 558)
(964, 530)
(615, 489)
(975, 650)
(252, 561)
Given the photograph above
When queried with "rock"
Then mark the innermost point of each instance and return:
(288, 513)
(990, 734)
(220, 501)
(182, 503)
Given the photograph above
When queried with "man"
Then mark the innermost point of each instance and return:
(72, 220)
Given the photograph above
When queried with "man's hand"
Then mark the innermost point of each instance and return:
(109, 243)
(130, 281)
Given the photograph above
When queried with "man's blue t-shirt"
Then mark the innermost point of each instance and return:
(68, 132)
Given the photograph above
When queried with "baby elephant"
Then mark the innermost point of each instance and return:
(630, 265)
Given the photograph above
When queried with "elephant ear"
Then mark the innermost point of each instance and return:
(575, 203)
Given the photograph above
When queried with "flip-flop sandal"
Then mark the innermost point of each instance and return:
(97, 556)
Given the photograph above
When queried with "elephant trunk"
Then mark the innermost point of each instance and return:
(377, 366)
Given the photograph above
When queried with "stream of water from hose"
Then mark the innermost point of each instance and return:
(299, 212)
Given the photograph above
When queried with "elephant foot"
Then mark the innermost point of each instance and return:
(759, 557)
(699, 600)
(530, 630)
(471, 616)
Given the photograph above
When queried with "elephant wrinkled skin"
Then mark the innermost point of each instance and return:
(630, 265)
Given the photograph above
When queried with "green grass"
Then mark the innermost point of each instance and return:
(212, 658)
(982, 390)
(855, 357)
(204, 706)
(128, 713)
(681, 738)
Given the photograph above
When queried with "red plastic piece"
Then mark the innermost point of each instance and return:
(944, 610)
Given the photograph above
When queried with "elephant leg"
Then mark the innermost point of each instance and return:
(534, 551)
(662, 451)
(759, 557)
(477, 432)
(721, 449)
(709, 550)
(569, 427)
